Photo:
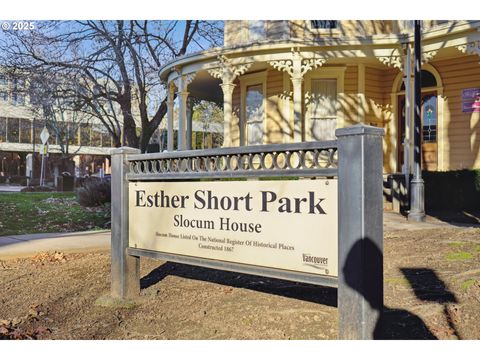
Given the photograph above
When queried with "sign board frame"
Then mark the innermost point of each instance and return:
(355, 160)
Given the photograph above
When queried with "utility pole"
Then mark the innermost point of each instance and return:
(417, 187)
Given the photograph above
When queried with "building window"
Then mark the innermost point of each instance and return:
(18, 83)
(3, 79)
(323, 109)
(257, 30)
(323, 24)
(37, 130)
(107, 139)
(3, 96)
(96, 135)
(85, 130)
(3, 129)
(25, 131)
(428, 80)
(18, 99)
(429, 112)
(254, 114)
(13, 130)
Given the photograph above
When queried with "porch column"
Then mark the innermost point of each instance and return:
(182, 85)
(189, 122)
(297, 66)
(227, 72)
(227, 89)
(170, 112)
(182, 120)
(297, 108)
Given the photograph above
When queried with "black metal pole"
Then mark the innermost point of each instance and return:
(417, 209)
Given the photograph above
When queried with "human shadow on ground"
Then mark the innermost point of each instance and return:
(391, 323)
(300, 291)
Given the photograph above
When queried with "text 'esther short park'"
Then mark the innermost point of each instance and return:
(206, 200)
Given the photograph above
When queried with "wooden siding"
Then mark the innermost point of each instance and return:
(375, 96)
(301, 29)
(350, 101)
(277, 121)
(236, 32)
(461, 131)
(277, 29)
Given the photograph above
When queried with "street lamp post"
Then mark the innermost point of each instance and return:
(417, 187)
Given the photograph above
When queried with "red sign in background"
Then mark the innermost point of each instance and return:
(471, 100)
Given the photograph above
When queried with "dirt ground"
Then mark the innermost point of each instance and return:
(432, 290)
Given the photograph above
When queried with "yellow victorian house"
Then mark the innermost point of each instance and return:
(284, 81)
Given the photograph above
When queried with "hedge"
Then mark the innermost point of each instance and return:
(452, 190)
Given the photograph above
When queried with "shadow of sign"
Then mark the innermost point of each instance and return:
(427, 286)
(392, 323)
(299, 291)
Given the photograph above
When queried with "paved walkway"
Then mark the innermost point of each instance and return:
(25, 245)
(394, 221)
(10, 188)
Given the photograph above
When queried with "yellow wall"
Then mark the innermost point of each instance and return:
(236, 32)
(461, 131)
(301, 29)
(350, 102)
(277, 121)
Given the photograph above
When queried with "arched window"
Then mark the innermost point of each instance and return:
(428, 80)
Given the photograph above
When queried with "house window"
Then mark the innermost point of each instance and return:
(323, 24)
(3, 96)
(323, 109)
(256, 30)
(255, 114)
(3, 80)
(428, 80)
(429, 112)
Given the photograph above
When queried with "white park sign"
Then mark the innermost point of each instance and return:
(288, 225)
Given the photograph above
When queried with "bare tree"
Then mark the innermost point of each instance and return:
(116, 62)
(58, 101)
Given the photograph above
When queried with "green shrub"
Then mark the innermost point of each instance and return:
(19, 180)
(452, 190)
(94, 192)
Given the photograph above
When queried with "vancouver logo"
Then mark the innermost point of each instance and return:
(316, 262)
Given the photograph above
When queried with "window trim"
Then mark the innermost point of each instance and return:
(328, 31)
(245, 81)
(333, 72)
(323, 28)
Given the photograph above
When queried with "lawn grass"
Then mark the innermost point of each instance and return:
(30, 213)
(466, 284)
(462, 255)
